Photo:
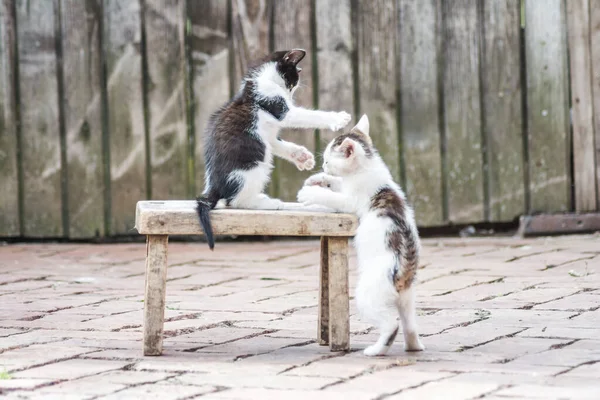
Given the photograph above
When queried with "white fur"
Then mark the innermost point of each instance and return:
(269, 84)
(348, 184)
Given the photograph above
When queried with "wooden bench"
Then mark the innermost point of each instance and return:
(159, 219)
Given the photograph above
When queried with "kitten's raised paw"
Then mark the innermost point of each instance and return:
(375, 350)
(319, 179)
(303, 159)
(339, 120)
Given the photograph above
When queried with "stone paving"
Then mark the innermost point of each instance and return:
(500, 317)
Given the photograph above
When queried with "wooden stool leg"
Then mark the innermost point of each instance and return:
(339, 302)
(154, 300)
(323, 328)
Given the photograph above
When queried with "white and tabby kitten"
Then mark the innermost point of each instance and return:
(243, 136)
(357, 180)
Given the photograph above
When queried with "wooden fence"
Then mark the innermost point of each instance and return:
(104, 102)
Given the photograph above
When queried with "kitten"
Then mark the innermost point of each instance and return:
(243, 136)
(356, 180)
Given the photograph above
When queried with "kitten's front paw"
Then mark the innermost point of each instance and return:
(303, 159)
(310, 195)
(319, 179)
(339, 120)
(413, 343)
(375, 350)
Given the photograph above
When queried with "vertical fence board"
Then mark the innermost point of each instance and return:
(419, 105)
(123, 59)
(251, 21)
(291, 29)
(595, 48)
(462, 122)
(39, 119)
(81, 23)
(502, 105)
(209, 52)
(578, 24)
(547, 105)
(164, 20)
(9, 187)
(377, 71)
(334, 60)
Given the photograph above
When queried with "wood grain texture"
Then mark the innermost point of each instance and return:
(557, 224)
(462, 123)
(123, 59)
(334, 60)
(323, 319)
(291, 29)
(251, 20)
(38, 105)
(164, 22)
(595, 55)
(375, 44)
(419, 107)
(502, 108)
(339, 314)
(584, 168)
(154, 298)
(9, 186)
(547, 105)
(82, 103)
(208, 54)
(180, 218)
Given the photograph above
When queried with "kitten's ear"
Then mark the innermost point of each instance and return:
(348, 147)
(362, 126)
(294, 56)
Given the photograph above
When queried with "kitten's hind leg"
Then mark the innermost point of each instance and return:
(259, 202)
(388, 329)
(406, 308)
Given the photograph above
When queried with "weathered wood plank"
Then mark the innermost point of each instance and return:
(323, 322)
(339, 314)
(38, 105)
(156, 288)
(419, 107)
(208, 54)
(376, 29)
(251, 21)
(123, 60)
(334, 61)
(180, 218)
(462, 116)
(166, 85)
(291, 29)
(578, 21)
(82, 104)
(547, 105)
(595, 48)
(9, 183)
(558, 224)
(502, 108)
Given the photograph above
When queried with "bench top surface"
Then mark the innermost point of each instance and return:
(179, 217)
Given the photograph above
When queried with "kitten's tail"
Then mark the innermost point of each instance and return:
(204, 205)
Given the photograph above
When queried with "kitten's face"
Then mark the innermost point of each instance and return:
(348, 153)
(286, 70)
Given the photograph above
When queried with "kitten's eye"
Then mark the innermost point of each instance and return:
(298, 69)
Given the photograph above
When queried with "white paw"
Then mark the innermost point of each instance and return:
(303, 159)
(375, 350)
(319, 179)
(310, 195)
(339, 120)
(414, 344)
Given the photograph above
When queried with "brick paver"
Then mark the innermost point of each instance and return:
(500, 317)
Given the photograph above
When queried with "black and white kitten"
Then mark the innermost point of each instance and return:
(243, 136)
(387, 243)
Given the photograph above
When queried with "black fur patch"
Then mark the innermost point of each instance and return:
(276, 106)
(401, 239)
(357, 137)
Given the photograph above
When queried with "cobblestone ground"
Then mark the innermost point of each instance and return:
(501, 318)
